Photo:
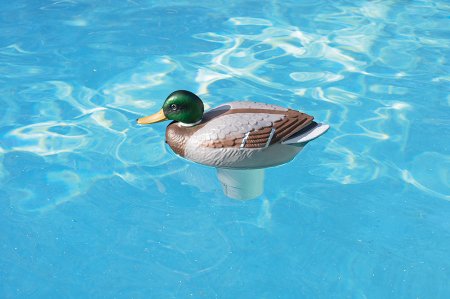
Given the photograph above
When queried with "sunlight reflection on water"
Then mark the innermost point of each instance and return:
(88, 194)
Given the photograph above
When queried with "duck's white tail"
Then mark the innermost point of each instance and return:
(303, 137)
(241, 183)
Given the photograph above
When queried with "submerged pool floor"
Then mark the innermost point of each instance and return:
(94, 206)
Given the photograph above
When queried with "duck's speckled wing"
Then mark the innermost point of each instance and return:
(248, 125)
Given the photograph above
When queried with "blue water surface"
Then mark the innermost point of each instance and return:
(94, 206)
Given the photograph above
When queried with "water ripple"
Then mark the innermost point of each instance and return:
(430, 173)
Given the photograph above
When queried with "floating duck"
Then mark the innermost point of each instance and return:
(240, 138)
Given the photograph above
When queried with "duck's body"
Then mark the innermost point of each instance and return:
(241, 135)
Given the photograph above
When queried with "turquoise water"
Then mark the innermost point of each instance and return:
(94, 206)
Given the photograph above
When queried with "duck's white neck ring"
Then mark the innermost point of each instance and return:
(189, 125)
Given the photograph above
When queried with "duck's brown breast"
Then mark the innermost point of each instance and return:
(177, 136)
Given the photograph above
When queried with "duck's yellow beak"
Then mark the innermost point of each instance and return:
(151, 119)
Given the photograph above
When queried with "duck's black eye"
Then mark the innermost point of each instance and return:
(173, 107)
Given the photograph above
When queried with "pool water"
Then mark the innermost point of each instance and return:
(94, 206)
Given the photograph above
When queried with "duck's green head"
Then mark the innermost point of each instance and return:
(180, 105)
